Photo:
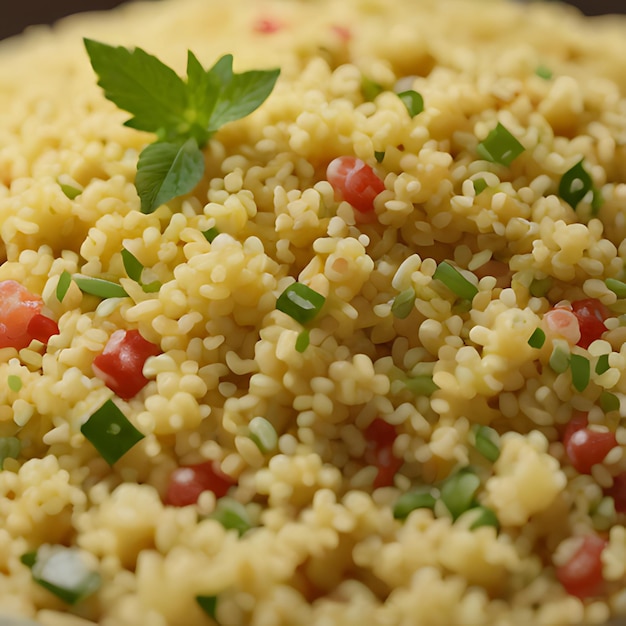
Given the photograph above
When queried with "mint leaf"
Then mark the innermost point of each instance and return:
(139, 83)
(167, 170)
(203, 90)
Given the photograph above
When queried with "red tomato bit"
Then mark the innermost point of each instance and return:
(618, 492)
(591, 314)
(267, 25)
(42, 328)
(380, 436)
(581, 576)
(121, 363)
(189, 481)
(585, 447)
(356, 183)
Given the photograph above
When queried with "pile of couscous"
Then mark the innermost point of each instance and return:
(331, 335)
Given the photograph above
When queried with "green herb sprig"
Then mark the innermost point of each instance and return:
(184, 114)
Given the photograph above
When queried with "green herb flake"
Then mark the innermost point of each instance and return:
(10, 448)
(458, 491)
(232, 515)
(537, 339)
(421, 498)
(581, 370)
(500, 146)
(455, 281)
(602, 364)
(14, 382)
(63, 284)
(210, 234)
(132, 265)
(209, 605)
(70, 191)
(559, 359)
(183, 114)
(618, 287)
(303, 340)
(487, 442)
(575, 184)
(379, 156)
(609, 402)
(370, 88)
(413, 101)
(300, 302)
(483, 516)
(421, 385)
(543, 72)
(152, 287)
(110, 432)
(539, 287)
(99, 287)
(29, 558)
(480, 184)
(403, 303)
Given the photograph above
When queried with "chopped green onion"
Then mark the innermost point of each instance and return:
(208, 604)
(484, 517)
(575, 184)
(616, 286)
(70, 191)
(603, 364)
(110, 432)
(300, 302)
(537, 339)
(543, 72)
(132, 265)
(263, 434)
(609, 402)
(65, 280)
(10, 448)
(455, 281)
(370, 89)
(152, 287)
(99, 287)
(302, 341)
(559, 359)
(487, 442)
(581, 370)
(63, 572)
(539, 287)
(500, 146)
(421, 385)
(232, 515)
(413, 101)
(210, 234)
(458, 491)
(480, 184)
(379, 156)
(403, 303)
(14, 382)
(422, 498)
(29, 558)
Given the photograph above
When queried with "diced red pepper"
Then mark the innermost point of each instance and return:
(380, 436)
(42, 328)
(189, 481)
(591, 314)
(121, 363)
(267, 25)
(356, 183)
(582, 576)
(585, 447)
(18, 306)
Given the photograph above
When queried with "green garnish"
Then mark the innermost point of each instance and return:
(210, 234)
(455, 281)
(63, 572)
(70, 191)
(379, 156)
(581, 370)
(537, 339)
(302, 341)
(300, 302)
(208, 604)
(575, 184)
(559, 359)
(403, 303)
(110, 432)
(132, 265)
(543, 72)
(184, 114)
(370, 88)
(413, 101)
(421, 498)
(14, 382)
(602, 364)
(500, 146)
(99, 287)
(152, 287)
(484, 517)
(10, 448)
(616, 286)
(421, 385)
(487, 442)
(480, 184)
(65, 280)
(539, 287)
(458, 492)
(263, 434)
(609, 402)
(232, 515)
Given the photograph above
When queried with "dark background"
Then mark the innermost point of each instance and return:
(21, 13)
